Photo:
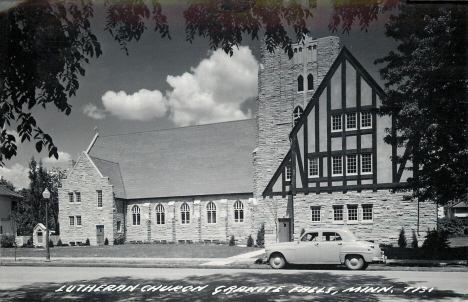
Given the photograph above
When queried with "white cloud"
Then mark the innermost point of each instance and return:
(143, 105)
(214, 90)
(94, 112)
(63, 159)
(17, 175)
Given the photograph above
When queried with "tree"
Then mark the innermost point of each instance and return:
(402, 238)
(46, 44)
(426, 86)
(7, 184)
(31, 209)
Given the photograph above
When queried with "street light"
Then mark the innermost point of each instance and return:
(46, 195)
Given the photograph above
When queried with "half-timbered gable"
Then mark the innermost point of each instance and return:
(337, 143)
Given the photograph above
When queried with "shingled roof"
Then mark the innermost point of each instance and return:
(188, 161)
(4, 191)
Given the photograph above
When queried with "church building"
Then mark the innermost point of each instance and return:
(314, 156)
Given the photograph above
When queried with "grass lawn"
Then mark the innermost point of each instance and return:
(135, 251)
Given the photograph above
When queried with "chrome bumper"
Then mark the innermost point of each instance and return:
(381, 259)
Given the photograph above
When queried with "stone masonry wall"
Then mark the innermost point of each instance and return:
(198, 229)
(86, 180)
(391, 212)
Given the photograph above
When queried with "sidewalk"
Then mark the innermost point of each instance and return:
(243, 260)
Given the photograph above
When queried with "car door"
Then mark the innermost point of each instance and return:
(330, 247)
(307, 250)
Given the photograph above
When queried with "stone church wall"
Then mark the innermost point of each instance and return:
(86, 180)
(198, 229)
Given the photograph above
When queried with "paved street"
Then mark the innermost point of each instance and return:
(147, 284)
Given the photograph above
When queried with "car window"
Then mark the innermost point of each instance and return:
(331, 236)
(310, 237)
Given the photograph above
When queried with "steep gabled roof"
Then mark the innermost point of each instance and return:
(7, 192)
(111, 170)
(189, 161)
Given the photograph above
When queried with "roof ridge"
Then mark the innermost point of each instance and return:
(104, 160)
(176, 128)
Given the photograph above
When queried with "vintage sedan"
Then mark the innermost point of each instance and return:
(325, 246)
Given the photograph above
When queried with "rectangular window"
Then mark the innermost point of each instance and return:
(352, 212)
(366, 163)
(367, 213)
(351, 121)
(78, 196)
(119, 227)
(337, 165)
(315, 213)
(70, 197)
(338, 213)
(160, 218)
(72, 220)
(366, 120)
(78, 220)
(185, 217)
(351, 164)
(313, 167)
(336, 122)
(1, 229)
(288, 173)
(99, 198)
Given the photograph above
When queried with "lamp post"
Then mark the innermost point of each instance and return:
(46, 195)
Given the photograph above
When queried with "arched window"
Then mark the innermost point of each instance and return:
(136, 215)
(297, 113)
(185, 213)
(160, 219)
(211, 212)
(300, 83)
(238, 211)
(310, 82)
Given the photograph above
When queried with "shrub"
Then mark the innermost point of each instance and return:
(250, 241)
(414, 242)
(51, 243)
(232, 241)
(119, 240)
(87, 241)
(29, 243)
(59, 242)
(402, 238)
(452, 226)
(8, 240)
(106, 242)
(436, 243)
(261, 236)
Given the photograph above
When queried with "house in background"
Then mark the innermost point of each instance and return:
(457, 210)
(6, 201)
(314, 156)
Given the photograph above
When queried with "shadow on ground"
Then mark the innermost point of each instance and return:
(287, 281)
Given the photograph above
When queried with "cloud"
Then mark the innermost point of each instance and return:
(94, 112)
(143, 105)
(17, 175)
(63, 159)
(214, 90)
(217, 90)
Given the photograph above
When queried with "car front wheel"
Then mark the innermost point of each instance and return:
(355, 262)
(277, 261)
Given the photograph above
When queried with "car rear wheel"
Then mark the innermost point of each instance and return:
(277, 261)
(355, 262)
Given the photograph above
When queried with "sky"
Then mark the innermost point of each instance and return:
(167, 83)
